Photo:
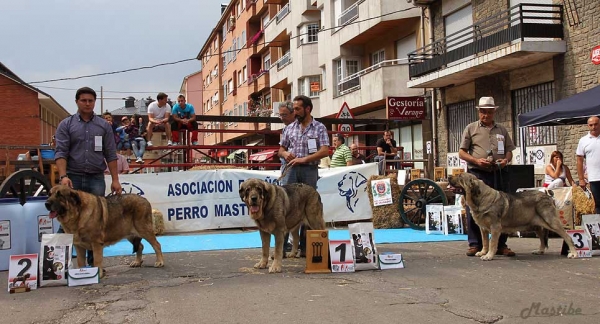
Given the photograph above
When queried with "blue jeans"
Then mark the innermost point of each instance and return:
(302, 173)
(90, 183)
(138, 146)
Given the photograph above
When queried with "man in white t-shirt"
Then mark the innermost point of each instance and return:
(589, 149)
(159, 112)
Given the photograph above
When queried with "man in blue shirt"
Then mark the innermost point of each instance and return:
(184, 117)
(85, 144)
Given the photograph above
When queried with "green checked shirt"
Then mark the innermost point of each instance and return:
(341, 156)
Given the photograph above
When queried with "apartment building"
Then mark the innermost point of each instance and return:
(348, 51)
(524, 53)
(235, 65)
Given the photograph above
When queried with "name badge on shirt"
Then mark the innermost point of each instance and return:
(98, 143)
(312, 145)
(500, 139)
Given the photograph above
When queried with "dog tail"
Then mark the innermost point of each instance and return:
(136, 242)
(546, 234)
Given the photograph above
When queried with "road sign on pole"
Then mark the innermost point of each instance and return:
(345, 113)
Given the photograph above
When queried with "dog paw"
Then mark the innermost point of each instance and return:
(262, 264)
(136, 264)
(291, 255)
(275, 268)
(159, 264)
(572, 255)
(487, 257)
(480, 253)
(102, 273)
(537, 252)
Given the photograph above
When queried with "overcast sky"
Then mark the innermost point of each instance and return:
(50, 39)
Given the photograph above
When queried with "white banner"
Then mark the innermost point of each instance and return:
(209, 199)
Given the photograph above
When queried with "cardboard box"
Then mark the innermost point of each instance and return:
(390, 261)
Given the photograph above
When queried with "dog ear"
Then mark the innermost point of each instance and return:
(75, 197)
(242, 191)
(473, 187)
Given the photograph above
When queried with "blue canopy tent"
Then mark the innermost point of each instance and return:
(574, 110)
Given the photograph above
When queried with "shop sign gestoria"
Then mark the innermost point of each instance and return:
(405, 108)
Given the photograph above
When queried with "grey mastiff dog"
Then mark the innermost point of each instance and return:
(497, 212)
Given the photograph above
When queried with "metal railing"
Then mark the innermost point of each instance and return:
(518, 22)
(282, 13)
(283, 61)
(349, 15)
(352, 82)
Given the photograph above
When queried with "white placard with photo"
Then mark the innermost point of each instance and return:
(591, 225)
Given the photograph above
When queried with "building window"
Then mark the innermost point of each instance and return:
(459, 116)
(531, 98)
(230, 85)
(267, 101)
(225, 91)
(243, 39)
(239, 78)
(265, 20)
(224, 31)
(314, 86)
(312, 31)
(267, 62)
(245, 72)
(301, 87)
(323, 78)
(245, 112)
(377, 57)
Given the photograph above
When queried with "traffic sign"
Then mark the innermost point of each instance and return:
(345, 113)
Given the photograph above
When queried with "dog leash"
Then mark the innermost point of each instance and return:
(284, 172)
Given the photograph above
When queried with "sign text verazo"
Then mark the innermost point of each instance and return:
(405, 108)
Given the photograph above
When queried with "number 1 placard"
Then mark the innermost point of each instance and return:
(342, 256)
(581, 242)
(22, 273)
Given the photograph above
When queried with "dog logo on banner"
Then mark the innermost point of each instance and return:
(131, 188)
(350, 186)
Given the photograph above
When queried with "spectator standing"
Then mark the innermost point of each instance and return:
(303, 143)
(487, 148)
(85, 145)
(588, 149)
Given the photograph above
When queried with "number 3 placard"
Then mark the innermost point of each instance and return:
(342, 256)
(22, 272)
(581, 242)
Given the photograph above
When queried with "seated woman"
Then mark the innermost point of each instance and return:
(557, 173)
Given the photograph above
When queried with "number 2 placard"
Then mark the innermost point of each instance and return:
(342, 256)
(581, 242)
(22, 272)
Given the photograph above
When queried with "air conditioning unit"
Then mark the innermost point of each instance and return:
(231, 23)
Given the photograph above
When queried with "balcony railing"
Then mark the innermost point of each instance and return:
(255, 76)
(352, 82)
(350, 14)
(519, 22)
(282, 13)
(283, 61)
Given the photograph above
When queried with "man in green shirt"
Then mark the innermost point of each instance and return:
(342, 155)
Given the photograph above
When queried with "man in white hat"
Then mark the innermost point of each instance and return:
(487, 148)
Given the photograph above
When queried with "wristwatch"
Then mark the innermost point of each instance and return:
(62, 177)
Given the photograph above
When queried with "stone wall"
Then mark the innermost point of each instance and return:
(575, 71)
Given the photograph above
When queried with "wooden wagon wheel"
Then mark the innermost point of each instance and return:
(23, 184)
(414, 199)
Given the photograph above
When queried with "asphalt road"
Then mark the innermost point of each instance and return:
(440, 284)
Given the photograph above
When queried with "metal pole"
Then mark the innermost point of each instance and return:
(101, 100)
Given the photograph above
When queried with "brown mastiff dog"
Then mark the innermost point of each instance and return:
(279, 209)
(498, 212)
(96, 222)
